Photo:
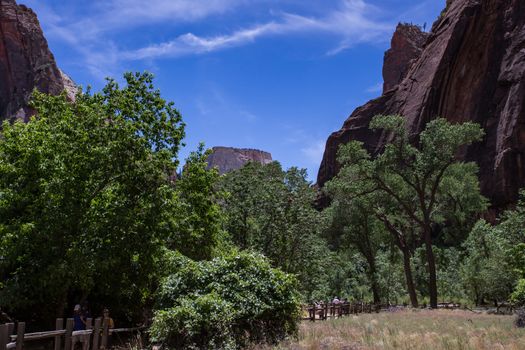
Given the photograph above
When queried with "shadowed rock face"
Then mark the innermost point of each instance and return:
(25, 61)
(227, 159)
(472, 68)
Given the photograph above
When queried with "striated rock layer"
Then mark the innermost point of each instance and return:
(227, 159)
(471, 68)
(26, 62)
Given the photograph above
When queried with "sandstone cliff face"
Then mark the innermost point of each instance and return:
(472, 68)
(227, 159)
(25, 61)
(407, 45)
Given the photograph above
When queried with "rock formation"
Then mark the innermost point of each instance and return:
(227, 159)
(471, 68)
(407, 45)
(26, 62)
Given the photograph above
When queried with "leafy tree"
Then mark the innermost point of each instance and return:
(225, 303)
(270, 210)
(487, 270)
(196, 225)
(357, 227)
(411, 185)
(83, 192)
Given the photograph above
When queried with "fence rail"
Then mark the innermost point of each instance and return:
(92, 338)
(324, 311)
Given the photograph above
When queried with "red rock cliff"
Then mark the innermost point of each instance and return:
(227, 159)
(472, 68)
(407, 45)
(25, 61)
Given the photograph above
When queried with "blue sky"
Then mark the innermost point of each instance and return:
(277, 75)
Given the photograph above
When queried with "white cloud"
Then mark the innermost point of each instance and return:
(94, 35)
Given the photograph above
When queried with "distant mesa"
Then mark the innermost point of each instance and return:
(227, 159)
(26, 62)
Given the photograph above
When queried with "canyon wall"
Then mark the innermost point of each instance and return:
(470, 68)
(26, 62)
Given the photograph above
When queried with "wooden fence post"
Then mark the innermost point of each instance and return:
(87, 337)
(96, 333)
(70, 324)
(59, 325)
(4, 336)
(10, 330)
(20, 332)
(105, 331)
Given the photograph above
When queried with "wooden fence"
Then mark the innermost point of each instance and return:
(95, 336)
(324, 311)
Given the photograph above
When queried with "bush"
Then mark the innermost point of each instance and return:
(518, 296)
(520, 319)
(226, 303)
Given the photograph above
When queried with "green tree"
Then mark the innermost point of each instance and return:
(271, 211)
(196, 225)
(83, 192)
(487, 269)
(412, 184)
(355, 226)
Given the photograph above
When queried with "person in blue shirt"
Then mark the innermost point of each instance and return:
(80, 322)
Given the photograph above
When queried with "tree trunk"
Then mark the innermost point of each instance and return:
(373, 279)
(409, 279)
(432, 280)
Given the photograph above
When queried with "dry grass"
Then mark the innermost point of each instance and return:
(429, 330)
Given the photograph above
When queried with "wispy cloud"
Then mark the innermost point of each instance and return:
(94, 34)
(350, 23)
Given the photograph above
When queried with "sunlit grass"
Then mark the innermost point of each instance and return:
(450, 330)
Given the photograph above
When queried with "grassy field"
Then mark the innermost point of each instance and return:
(427, 330)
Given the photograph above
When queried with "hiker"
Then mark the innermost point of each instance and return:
(79, 325)
(4, 318)
(80, 321)
(105, 314)
(106, 319)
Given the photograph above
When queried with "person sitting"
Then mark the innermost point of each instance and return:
(336, 300)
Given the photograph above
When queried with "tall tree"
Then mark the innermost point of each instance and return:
(197, 218)
(83, 193)
(271, 211)
(412, 183)
(356, 226)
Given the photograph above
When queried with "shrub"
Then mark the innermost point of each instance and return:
(518, 296)
(520, 319)
(225, 303)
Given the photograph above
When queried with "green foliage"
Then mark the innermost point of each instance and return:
(354, 227)
(197, 225)
(224, 303)
(487, 270)
(83, 192)
(270, 210)
(415, 190)
(518, 296)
